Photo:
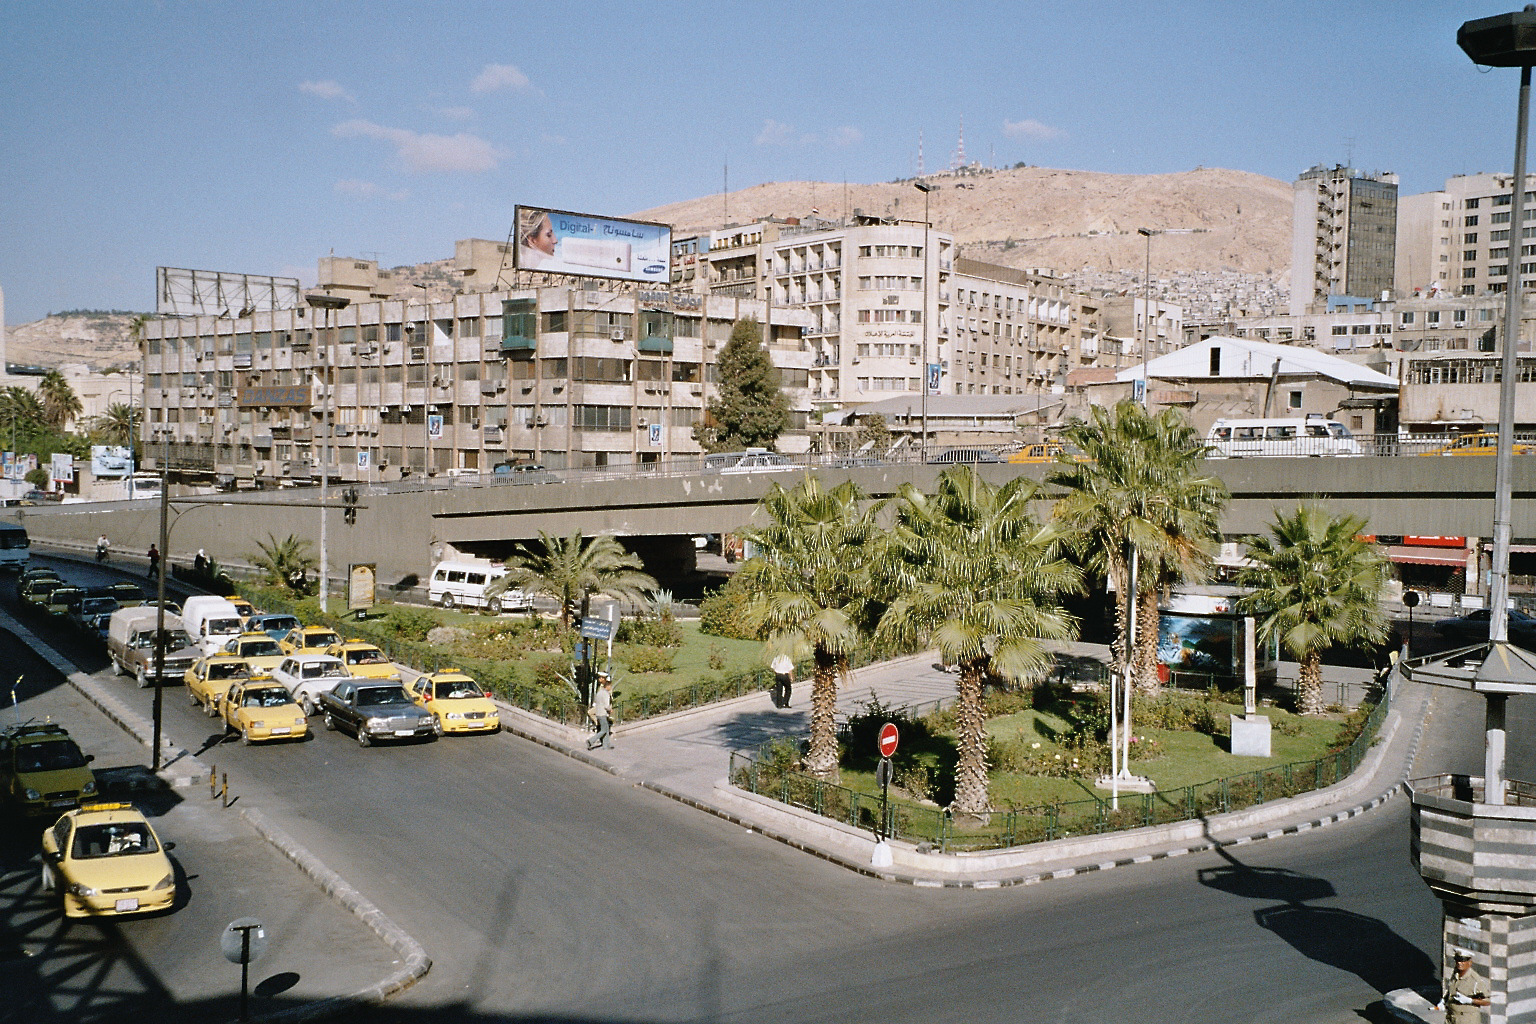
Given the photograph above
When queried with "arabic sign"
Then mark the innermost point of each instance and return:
(287, 396)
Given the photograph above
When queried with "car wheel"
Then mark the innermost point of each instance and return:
(48, 881)
(448, 601)
(363, 739)
(143, 680)
(437, 726)
(308, 706)
(192, 699)
(211, 709)
(245, 737)
(330, 723)
(119, 668)
(493, 606)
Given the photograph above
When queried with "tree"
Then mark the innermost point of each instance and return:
(116, 425)
(874, 432)
(59, 401)
(572, 569)
(810, 589)
(1316, 585)
(1139, 487)
(286, 562)
(973, 573)
(749, 409)
(21, 414)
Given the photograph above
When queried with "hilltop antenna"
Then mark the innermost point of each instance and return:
(959, 158)
(725, 194)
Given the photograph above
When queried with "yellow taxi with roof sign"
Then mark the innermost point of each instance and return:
(309, 640)
(262, 709)
(209, 679)
(456, 702)
(258, 650)
(43, 770)
(364, 660)
(105, 859)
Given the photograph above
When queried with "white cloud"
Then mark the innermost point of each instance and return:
(546, 139)
(369, 190)
(425, 154)
(846, 135)
(777, 133)
(327, 90)
(495, 77)
(456, 113)
(1031, 129)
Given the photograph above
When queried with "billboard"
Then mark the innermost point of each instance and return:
(109, 460)
(61, 468)
(181, 292)
(285, 396)
(558, 242)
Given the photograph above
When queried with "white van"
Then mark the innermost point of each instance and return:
(1311, 435)
(462, 584)
(752, 460)
(211, 621)
(13, 546)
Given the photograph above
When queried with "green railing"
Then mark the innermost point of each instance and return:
(1017, 826)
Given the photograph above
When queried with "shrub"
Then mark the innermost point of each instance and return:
(716, 657)
(915, 779)
(723, 613)
(652, 633)
(549, 670)
(650, 659)
(409, 623)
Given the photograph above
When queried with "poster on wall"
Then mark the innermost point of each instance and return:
(435, 427)
(110, 460)
(933, 378)
(655, 435)
(61, 467)
(364, 460)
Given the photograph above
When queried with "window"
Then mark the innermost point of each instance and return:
(1340, 329)
(1470, 221)
(1468, 271)
(1493, 254)
(1471, 204)
(1470, 238)
(1294, 400)
(1499, 218)
(1459, 316)
(1360, 329)
(1471, 254)
(601, 417)
(1432, 317)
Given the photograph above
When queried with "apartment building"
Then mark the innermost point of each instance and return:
(1343, 236)
(1456, 241)
(568, 376)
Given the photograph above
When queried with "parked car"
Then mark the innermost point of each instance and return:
(257, 650)
(374, 711)
(1473, 627)
(954, 456)
(275, 626)
(131, 645)
(35, 592)
(91, 615)
(1483, 442)
(364, 660)
(456, 702)
(127, 595)
(308, 675)
(309, 639)
(42, 770)
(522, 473)
(40, 573)
(62, 598)
(105, 859)
(261, 709)
(752, 460)
(1048, 451)
(209, 679)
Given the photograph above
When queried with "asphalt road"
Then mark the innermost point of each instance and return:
(544, 890)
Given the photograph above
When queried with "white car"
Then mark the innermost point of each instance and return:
(309, 675)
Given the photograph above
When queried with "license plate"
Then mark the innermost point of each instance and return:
(478, 725)
(128, 904)
(61, 803)
(282, 730)
(405, 732)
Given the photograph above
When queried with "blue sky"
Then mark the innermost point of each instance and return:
(257, 137)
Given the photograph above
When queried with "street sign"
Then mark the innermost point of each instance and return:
(888, 738)
(597, 629)
(883, 773)
(243, 940)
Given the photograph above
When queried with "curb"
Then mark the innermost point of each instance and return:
(416, 962)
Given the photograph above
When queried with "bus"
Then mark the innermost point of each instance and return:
(144, 485)
(14, 547)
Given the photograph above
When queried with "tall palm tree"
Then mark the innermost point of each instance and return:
(810, 590)
(976, 575)
(1139, 488)
(286, 562)
(1315, 585)
(60, 403)
(20, 413)
(115, 426)
(572, 569)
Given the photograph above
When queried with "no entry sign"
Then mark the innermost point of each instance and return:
(888, 738)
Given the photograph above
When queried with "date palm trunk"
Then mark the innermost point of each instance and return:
(1309, 685)
(821, 758)
(1145, 670)
(971, 793)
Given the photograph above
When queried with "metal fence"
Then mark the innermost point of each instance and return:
(940, 829)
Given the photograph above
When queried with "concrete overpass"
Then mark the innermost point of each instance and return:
(405, 529)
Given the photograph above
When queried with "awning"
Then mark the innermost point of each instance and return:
(1425, 556)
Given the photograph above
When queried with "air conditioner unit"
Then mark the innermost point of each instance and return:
(198, 356)
(405, 410)
(642, 422)
(418, 355)
(617, 334)
(383, 410)
(383, 463)
(541, 421)
(260, 467)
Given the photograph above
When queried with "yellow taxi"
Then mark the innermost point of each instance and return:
(457, 703)
(257, 650)
(209, 678)
(309, 640)
(243, 608)
(364, 660)
(260, 709)
(42, 770)
(1484, 442)
(105, 859)
(1048, 451)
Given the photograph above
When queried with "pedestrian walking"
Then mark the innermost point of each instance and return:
(601, 711)
(154, 562)
(1466, 992)
(103, 546)
(783, 680)
(200, 563)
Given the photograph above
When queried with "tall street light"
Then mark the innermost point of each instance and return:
(1146, 315)
(327, 303)
(929, 266)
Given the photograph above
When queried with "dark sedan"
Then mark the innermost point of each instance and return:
(1473, 627)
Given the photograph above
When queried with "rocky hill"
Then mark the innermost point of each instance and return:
(99, 338)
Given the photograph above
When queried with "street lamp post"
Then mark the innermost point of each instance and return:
(929, 265)
(327, 303)
(1146, 315)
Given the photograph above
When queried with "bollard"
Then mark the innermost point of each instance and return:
(226, 789)
(213, 781)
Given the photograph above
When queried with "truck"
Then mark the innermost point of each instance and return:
(131, 645)
(211, 621)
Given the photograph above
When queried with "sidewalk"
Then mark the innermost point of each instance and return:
(686, 756)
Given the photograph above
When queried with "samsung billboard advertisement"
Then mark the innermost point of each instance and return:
(558, 242)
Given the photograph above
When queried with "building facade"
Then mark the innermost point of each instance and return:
(566, 376)
(1344, 236)
(1456, 241)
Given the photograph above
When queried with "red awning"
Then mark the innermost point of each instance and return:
(1425, 556)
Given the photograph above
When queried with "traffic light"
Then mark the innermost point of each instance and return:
(349, 501)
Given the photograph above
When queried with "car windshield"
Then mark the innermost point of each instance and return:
(113, 840)
(325, 670)
(228, 670)
(456, 690)
(49, 756)
(267, 697)
(367, 658)
(260, 649)
(223, 625)
(321, 639)
(372, 696)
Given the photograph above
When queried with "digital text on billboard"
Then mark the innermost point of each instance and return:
(557, 242)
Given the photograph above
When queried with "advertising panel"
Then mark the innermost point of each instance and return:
(289, 396)
(180, 292)
(108, 461)
(361, 578)
(435, 427)
(61, 467)
(559, 242)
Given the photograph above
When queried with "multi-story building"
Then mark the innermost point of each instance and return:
(565, 376)
(1456, 241)
(1343, 236)
(1127, 326)
(882, 292)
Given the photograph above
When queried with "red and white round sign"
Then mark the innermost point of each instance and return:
(888, 738)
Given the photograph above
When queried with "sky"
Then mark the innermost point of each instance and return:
(258, 137)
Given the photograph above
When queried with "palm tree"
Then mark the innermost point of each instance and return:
(1139, 490)
(1316, 585)
(572, 569)
(974, 573)
(809, 587)
(115, 426)
(287, 562)
(59, 401)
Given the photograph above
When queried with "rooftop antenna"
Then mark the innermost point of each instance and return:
(1349, 152)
